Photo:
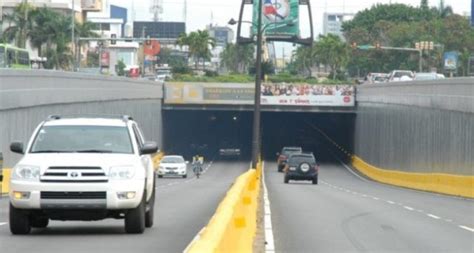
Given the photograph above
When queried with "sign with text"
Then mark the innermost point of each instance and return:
(280, 18)
(272, 94)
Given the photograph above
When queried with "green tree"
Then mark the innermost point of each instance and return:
(121, 68)
(199, 44)
(237, 58)
(333, 52)
(20, 24)
(304, 59)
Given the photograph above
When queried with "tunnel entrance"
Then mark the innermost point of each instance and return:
(190, 132)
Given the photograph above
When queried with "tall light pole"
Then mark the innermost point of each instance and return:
(73, 35)
(258, 82)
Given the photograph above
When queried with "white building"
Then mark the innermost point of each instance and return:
(332, 23)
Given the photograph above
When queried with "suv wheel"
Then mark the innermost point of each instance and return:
(315, 179)
(19, 221)
(286, 179)
(135, 218)
(39, 222)
(149, 215)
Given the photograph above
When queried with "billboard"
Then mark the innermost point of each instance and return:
(161, 30)
(272, 94)
(280, 18)
(451, 60)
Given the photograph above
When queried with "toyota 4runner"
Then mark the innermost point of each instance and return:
(83, 168)
(301, 167)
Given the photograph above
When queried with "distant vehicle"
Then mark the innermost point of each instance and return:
(401, 76)
(300, 167)
(164, 73)
(83, 168)
(377, 77)
(285, 154)
(428, 76)
(229, 150)
(14, 57)
(173, 165)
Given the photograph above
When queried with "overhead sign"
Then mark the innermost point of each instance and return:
(272, 94)
(451, 60)
(280, 18)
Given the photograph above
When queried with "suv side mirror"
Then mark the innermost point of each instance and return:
(149, 148)
(17, 147)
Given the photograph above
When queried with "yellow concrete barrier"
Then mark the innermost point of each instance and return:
(234, 225)
(434, 182)
(6, 181)
(157, 159)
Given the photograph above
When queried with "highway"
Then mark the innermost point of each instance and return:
(183, 208)
(348, 213)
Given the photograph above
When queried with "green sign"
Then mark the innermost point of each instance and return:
(280, 17)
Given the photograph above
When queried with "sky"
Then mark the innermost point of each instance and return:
(203, 12)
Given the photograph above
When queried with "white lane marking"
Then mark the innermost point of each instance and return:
(3, 223)
(194, 240)
(467, 228)
(350, 170)
(433, 216)
(269, 238)
(390, 202)
(408, 208)
(448, 220)
(375, 198)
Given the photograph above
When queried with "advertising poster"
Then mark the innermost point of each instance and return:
(277, 14)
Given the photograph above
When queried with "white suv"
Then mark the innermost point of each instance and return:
(83, 168)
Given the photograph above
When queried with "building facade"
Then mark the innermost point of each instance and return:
(332, 23)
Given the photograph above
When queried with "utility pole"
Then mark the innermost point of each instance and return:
(73, 35)
(258, 82)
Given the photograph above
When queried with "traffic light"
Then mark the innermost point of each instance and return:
(113, 36)
(354, 45)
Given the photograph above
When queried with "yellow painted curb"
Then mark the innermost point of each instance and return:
(434, 182)
(234, 225)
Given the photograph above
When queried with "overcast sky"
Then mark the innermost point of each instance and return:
(202, 12)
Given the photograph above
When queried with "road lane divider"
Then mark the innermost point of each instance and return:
(234, 225)
(456, 185)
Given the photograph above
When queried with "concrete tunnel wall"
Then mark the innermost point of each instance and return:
(28, 97)
(423, 127)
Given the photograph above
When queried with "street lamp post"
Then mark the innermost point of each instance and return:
(258, 83)
(73, 36)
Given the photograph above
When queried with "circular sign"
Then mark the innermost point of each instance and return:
(153, 48)
(347, 99)
(276, 10)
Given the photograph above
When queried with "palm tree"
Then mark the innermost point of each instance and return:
(199, 44)
(237, 58)
(20, 24)
(85, 30)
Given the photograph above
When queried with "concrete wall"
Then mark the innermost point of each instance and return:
(28, 97)
(424, 127)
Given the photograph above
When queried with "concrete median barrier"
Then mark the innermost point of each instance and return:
(434, 182)
(234, 225)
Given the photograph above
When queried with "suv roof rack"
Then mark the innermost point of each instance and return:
(92, 116)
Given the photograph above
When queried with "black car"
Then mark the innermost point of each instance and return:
(285, 153)
(301, 167)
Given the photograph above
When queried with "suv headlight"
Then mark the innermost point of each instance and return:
(26, 172)
(125, 172)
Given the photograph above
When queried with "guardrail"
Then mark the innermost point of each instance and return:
(234, 225)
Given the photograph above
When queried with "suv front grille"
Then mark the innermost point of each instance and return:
(73, 195)
(74, 175)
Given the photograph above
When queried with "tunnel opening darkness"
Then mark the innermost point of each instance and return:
(191, 132)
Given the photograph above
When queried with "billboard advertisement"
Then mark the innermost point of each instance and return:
(280, 18)
(451, 60)
(272, 94)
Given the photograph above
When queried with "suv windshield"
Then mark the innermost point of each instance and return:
(297, 160)
(172, 160)
(85, 139)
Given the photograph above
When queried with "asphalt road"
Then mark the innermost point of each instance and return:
(348, 213)
(183, 208)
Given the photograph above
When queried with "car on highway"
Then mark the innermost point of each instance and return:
(173, 165)
(428, 76)
(282, 157)
(302, 166)
(229, 149)
(400, 76)
(83, 168)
